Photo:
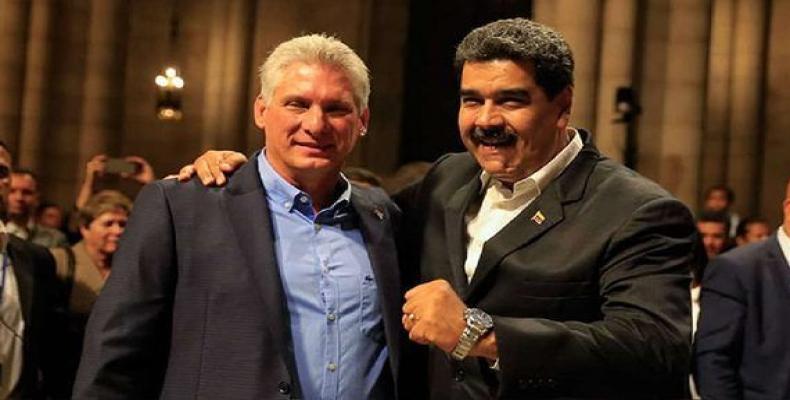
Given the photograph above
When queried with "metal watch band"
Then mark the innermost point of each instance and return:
(477, 323)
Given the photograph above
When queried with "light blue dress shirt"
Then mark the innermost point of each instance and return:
(332, 298)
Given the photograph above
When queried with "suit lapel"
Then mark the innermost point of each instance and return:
(23, 272)
(540, 216)
(455, 231)
(543, 214)
(376, 228)
(248, 212)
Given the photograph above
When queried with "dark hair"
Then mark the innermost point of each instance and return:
(743, 226)
(715, 217)
(25, 171)
(44, 205)
(721, 188)
(519, 39)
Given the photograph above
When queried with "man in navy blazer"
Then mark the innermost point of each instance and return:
(742, 349)
(282, 284)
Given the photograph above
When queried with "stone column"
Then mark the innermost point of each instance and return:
(579, 22)
(617, 70)
(14, 18)
(37, 90)
(713, 165)
(684, 99)
(226, 106)
(776, 139)
(544, 11)
(102, 110)
(386, 42)
(743, 172)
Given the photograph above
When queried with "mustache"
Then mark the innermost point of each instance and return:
(494, 136)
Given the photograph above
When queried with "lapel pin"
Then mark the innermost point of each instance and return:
(379, 213)
(538, 218)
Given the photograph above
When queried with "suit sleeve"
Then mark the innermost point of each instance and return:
(128, 334)
(643, 338)
(719, 336)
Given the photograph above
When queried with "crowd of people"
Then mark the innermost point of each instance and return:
(530, 266)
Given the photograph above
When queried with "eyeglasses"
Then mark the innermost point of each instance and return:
(5, 171)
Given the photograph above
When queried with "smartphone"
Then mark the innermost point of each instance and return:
(120, 166)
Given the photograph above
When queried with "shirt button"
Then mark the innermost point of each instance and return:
(303, 199)
(331, 317)
(331, 367)
(459, 375)
(287, 204)
(284, 388)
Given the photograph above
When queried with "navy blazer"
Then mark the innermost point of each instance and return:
(194, 307)
(742, 348)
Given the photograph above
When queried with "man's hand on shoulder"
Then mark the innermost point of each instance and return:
(212, 167)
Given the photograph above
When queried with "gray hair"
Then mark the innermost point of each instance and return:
(316, 49)
(519, 39)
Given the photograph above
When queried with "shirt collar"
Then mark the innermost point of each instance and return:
(541, 178)
(289, 196)
(784, 243)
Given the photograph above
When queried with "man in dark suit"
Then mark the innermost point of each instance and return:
(282, 284)
(742, 349)
(550, 271)
(31, 312)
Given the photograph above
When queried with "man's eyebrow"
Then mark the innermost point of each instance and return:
(513, 93)
(468, 92)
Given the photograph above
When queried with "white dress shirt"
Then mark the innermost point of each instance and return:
(12, 325)
(784, 243)
(501, 205)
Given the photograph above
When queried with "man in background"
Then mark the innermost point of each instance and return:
(720, 199)
(713, 228)
(750, 230)
(31, 319)
(742, 349)
(23, 201)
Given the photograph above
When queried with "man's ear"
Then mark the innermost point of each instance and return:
(565, 101)
(258, 110)
(364, 119)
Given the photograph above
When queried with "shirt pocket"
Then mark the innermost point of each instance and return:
(370, 321)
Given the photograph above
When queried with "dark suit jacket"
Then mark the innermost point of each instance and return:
(592, 301)
(194, 307)
(742, 349)
(43, 312)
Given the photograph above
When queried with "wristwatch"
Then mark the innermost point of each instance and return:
(477, 324)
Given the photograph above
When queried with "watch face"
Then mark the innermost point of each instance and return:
(480, 318)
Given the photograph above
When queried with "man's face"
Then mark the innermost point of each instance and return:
(717, 201)
(51, 217)
(755, 232)
(502, 96)
(23, 198)
(311, 123)
(104, 232)
(714, 237)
